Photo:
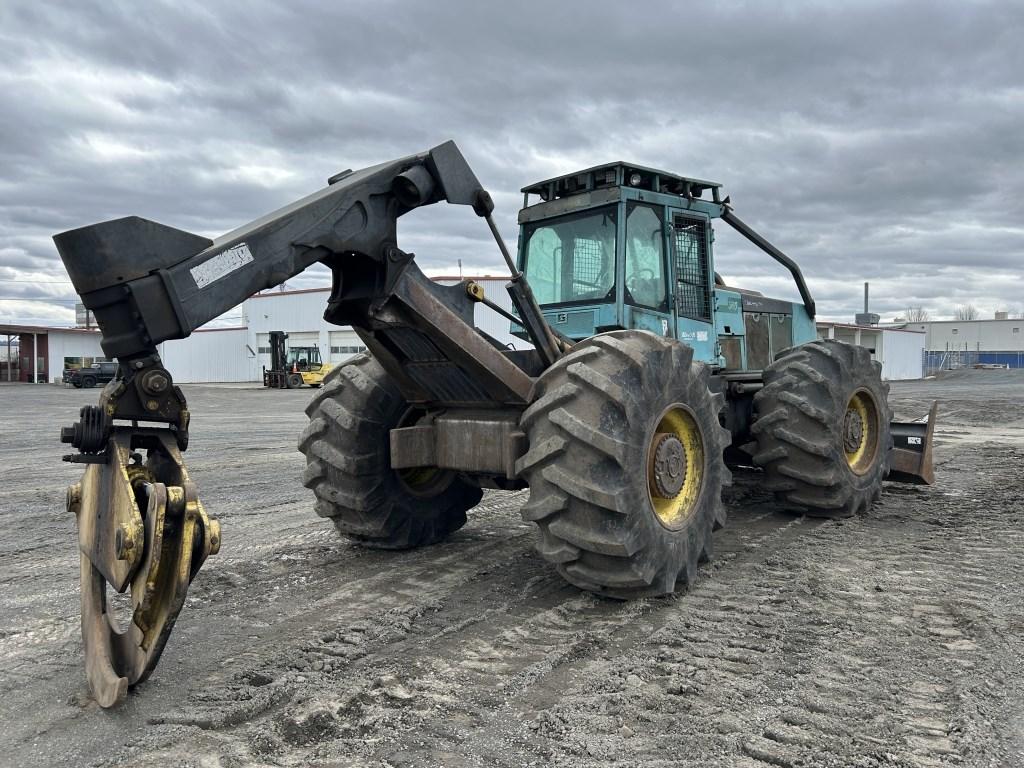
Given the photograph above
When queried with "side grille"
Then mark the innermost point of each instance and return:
(693, 292)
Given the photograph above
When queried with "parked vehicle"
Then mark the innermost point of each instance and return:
(292, 367)
(90, 376)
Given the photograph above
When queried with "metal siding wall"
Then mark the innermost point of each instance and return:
(902, 355)
(70, 344)
(210, 356)
(304, 339)
(261, 341)
(293, 313)
(974, 335)
(342, 338)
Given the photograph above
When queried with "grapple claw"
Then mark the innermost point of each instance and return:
(140, 525)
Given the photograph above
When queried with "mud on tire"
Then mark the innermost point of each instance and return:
(801, 428)
(347, 449)
(590, 429)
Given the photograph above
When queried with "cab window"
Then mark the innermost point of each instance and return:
(571, 259)
(645, 257)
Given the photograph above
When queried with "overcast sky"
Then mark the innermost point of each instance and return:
(880, 142)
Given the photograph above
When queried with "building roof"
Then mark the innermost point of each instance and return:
(12, 329)
(824, 323)
(976, 320)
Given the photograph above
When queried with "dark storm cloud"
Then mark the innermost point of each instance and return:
(872, 142)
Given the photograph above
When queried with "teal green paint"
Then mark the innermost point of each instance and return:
(729, 319)
(701, 336)
(582, 321)
(644, 319)
(728, 309)
(804, 329)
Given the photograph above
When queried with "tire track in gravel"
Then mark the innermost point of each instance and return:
(890, 640)
(472, 661)
(860, 648)
(225, 642)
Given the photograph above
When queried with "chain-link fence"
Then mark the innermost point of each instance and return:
(954, 359)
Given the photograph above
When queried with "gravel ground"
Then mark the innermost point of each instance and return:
(892, 639)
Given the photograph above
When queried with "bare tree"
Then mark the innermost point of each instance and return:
(917, 315)
(965, 312)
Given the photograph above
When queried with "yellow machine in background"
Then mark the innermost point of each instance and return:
(306, 362)
(294, 368)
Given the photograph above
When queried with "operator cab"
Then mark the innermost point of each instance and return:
(304, 359)
(623, 246)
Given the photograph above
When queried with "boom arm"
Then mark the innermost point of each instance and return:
(140, 521)
(146, 282)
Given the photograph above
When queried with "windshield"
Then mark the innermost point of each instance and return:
(572, 258)
(304, 356)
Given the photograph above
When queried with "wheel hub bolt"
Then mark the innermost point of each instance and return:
(853, 431)
(668, 466)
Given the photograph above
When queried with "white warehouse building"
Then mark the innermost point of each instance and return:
(239, 354)
(963, 343)
(899, 350)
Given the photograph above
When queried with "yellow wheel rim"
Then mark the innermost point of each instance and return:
(418, 477)
(424, 481)
(860, 431)
(675, 462)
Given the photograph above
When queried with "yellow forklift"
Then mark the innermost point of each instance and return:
(291, 368)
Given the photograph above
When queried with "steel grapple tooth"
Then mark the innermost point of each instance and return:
(155, 554)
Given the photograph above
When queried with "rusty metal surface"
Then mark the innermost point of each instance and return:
(499, 379)
(468, 441)
(758, 345)
(110, 512)
(157, 554)
(413, 447)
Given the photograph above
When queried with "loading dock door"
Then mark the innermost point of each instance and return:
(344, 344)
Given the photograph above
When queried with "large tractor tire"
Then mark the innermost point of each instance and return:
(348, 465)
(625, 464)
(822, 428)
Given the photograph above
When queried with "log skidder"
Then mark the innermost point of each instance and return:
(348, 466)
(625, 464)
(822, 428)
(616, 430)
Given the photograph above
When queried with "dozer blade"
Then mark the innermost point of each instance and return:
(140, 526)
(911, 458)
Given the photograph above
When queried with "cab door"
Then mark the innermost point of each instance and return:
(646, 274)
(692, 282)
